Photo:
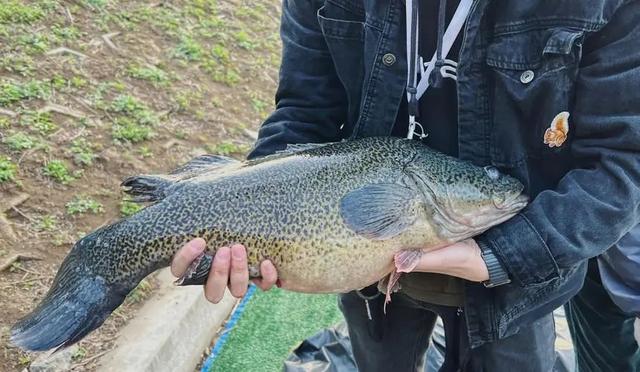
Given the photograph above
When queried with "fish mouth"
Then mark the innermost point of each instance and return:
(462, 227)
(514, 203)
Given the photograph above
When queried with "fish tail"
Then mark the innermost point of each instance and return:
(78, 302)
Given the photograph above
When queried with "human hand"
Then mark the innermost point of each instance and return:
(462, 259)
(229, 269)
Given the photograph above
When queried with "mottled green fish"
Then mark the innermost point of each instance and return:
(331, 218)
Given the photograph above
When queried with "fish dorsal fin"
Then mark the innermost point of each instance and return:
(149, 188)
(202, 164)
(379, 211)
(297, 147)
(291, 149)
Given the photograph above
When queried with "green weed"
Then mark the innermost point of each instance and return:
(82, 152)
(40, 121)
(226, 76)
(125, 129)
(95, 3)
(259, 106)
(24, 359)
(57, 170)
(47, 223)
(34, 43)
(4, 123)
(133, 108)
(7, 169)
(16, 11)
(145, 152)
(129, 208)
(11, 92)
(244, 40)
(140, 292)
(83, 204)
(20, 141)
(79, 354)
(66, 33)
(188, 49)
(58, 82)
(227, 148)
(78, 82)
(220, 52)
(149, 73)
(18, 63)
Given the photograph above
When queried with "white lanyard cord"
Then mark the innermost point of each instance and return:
(416, 89)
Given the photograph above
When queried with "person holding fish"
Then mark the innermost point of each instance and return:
(544, 91)
(452, 111)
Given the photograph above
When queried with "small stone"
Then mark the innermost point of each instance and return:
(60, 361)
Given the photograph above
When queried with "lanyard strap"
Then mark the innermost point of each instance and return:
(416, 89)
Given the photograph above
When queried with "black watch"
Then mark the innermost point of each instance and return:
(497, 274)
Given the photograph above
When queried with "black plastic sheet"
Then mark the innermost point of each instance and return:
(330, 350)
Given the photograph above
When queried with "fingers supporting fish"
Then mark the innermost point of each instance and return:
(198, 272)
(186, 255)
(239, 274)
(218, 276)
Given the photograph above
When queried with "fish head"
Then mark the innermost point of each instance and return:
(466, 199)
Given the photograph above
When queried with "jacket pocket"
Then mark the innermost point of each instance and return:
(532, 76)
(343, 25)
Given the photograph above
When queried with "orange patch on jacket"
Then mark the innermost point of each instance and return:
(557, 133)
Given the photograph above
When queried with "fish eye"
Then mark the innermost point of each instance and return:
(492, 172)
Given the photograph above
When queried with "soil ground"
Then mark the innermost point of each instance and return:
(93, 91)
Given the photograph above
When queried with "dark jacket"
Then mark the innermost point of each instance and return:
(585, 59)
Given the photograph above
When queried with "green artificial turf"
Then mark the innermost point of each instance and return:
(271, 326)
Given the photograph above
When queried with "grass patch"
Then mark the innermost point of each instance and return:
(188, 49)
(227, 148)
(35, 43)
(7, 169)
(20, 64)
(16, 11)
(21, 141)
(82, 152)
(125, 129)
(149, 73)
(66, 33)
(57, 170)
(129, 208)
(11, 92)
(145, 152)
(47, 223)
(133, 108)
(84, 204)
(244, 40)
(38, 121)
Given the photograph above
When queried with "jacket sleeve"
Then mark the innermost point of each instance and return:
(311, 102)
(596, 203)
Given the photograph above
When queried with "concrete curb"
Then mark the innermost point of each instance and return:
(170, 332)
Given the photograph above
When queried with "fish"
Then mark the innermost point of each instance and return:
(331, 217)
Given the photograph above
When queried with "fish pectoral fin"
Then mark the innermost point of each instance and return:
(147, 188)
(201, 164)
(379, 211)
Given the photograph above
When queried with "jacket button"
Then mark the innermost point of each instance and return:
(388, 59)
(527, 77)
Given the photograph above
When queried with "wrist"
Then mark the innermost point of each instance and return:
(497, 275)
